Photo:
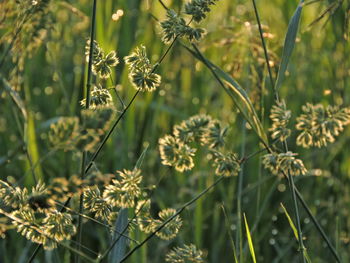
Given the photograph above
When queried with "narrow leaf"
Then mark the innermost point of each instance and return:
(295, 231)
(289, 43)
(119, 248)
(15, 97)
(250, 241)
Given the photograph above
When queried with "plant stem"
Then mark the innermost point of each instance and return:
(87, 105)
(290, 177)
(266, 54)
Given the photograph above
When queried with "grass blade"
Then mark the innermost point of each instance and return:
(119, 248)
(15, 97)
(250, 241)
(295, 231)
(289, 43)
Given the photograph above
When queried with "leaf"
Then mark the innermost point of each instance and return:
(236, 92)
(295, 231)
(140, 160)
(250, 241)
(289, 43)
(118, 251)
(15, 97)
(119, 248)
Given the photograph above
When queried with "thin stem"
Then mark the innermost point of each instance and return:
(87, 105)
(116, 91)
(97, 222)
(265, 50)
(290, 177)
(239, 196)
(178, 212)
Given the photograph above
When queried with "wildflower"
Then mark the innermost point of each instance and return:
(39, 198)
(122, 193)
(185, 254)
(175, 153)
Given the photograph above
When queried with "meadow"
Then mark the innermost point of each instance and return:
(174, 131)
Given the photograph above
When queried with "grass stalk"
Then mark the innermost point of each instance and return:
(276, 95)
(87, 105)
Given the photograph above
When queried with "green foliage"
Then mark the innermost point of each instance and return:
(43, 132)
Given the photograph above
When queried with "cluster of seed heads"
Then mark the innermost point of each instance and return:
(176, 150)
(280, 117)
(69, 134)
(123, 193)
(320, 125)
(185, 254)
(175, 26)
(141, 71)
(278, 163)
(35, 215)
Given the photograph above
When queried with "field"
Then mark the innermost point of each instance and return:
(174, 131)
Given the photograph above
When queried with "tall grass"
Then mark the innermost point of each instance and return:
(248, 61)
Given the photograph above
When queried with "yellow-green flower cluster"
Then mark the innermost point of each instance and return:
(68, 134)
(35, 216)
(148, 224)
(101, 63)
(122, 193)
(320, 125)
(176, 150)
(226, 164)
(284, 162)
(185, 254)
(280, 117)
(175, 26)
(100, 97)
(176, 153)
(64, 133)
(141, 73)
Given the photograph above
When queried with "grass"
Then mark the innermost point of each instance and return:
(226, 75)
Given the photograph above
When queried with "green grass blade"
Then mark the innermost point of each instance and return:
(289, 44)
(120, 241)
(237, 93)
(119, 249)
(250, 241)
(295, 231)
(15, 97)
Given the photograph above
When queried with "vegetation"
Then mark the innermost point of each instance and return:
(174, 131)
